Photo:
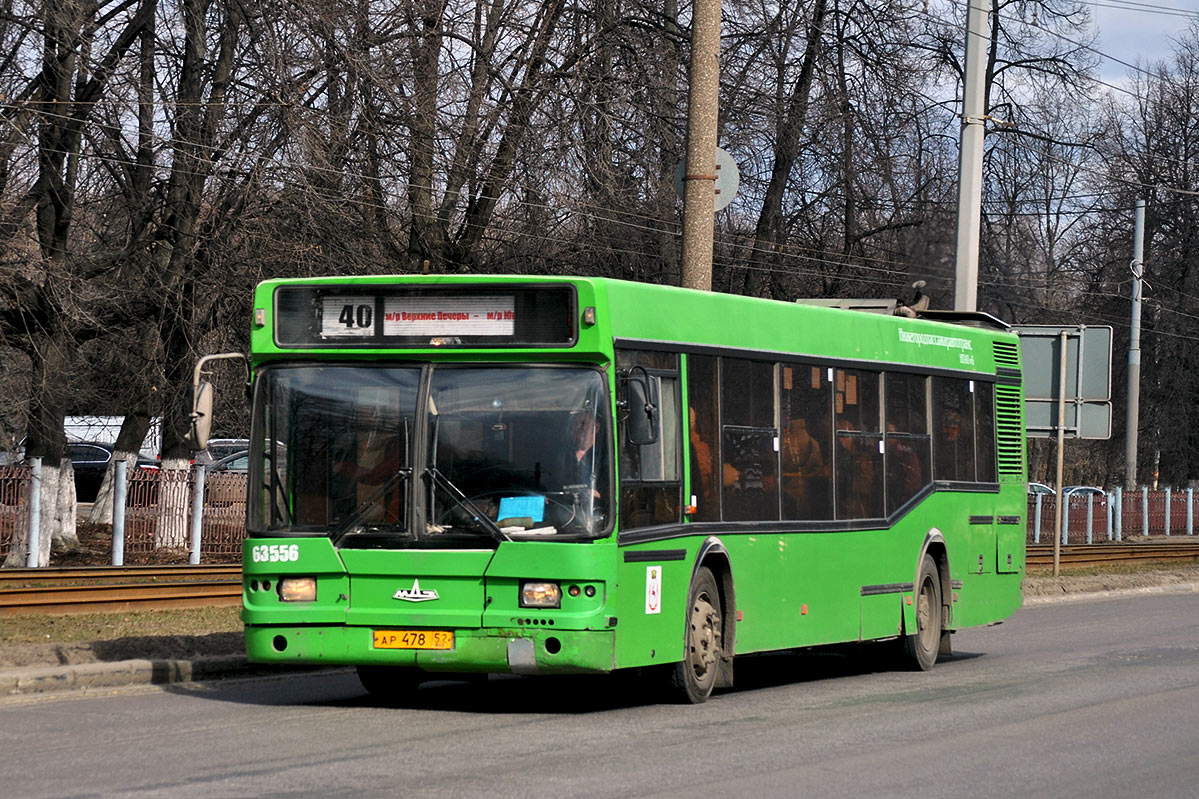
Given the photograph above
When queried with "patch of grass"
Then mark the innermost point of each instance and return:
(41, 628)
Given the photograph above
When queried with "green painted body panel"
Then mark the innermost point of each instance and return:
(792, 588)
(480, 650)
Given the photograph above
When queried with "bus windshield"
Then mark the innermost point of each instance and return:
(490, 453)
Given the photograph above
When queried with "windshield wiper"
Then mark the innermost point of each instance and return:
(368, 504)
(463, 501)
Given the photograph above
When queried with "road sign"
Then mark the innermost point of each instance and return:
(1088, 411)
(728, 177)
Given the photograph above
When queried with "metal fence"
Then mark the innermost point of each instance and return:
(1115, 516)
(14, 499)
(152, 518)
(151, 494)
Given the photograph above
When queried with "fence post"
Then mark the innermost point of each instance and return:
(1110, 497)
(1145, 510)
(1190, 511)
(1090, 518)
(118, 513)
(197, 515)
(35, 511)
(1119, 521)
(1036, 528)
(1167, 510)
(1065, 503)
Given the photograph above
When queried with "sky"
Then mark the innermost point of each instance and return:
(1132, 29)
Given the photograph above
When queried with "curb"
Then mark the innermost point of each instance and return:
(115, 674)
(1084, 596)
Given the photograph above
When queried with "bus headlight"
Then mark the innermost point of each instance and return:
(540, 595)
(297, 589)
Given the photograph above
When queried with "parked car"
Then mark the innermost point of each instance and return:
(1082, 491)
(90, 460)
(219, 448)
(1040, 488)
(234, 462)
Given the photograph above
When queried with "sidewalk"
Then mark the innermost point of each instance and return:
(82, 671)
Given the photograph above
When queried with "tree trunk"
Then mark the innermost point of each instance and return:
(129, 442)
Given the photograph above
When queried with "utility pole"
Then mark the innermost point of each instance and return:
(970, 163)
(1134, 352)
(699, 178)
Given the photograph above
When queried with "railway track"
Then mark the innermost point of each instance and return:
(114, 588)
(1179, 551)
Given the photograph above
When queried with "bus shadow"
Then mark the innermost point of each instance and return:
(498, 694)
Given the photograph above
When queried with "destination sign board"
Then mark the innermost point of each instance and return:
(370, 316)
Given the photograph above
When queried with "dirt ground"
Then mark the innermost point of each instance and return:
(1038, 584)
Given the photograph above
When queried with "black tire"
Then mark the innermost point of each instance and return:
(922, 646)
(390, 683)
(693, 678)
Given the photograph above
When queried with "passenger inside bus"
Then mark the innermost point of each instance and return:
(803, 466)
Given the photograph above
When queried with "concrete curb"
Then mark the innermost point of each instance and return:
(115, 674)
(1085, 596)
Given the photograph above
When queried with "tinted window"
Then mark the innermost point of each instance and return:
(908, 448)
(859, 459)
(704, 446)
(748, 440)
(953, 429)
(984, 432)
(805, 405)
(650, 474)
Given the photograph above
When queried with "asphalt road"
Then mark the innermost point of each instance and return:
(1082, 699)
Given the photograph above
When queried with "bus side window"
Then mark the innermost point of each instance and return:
(984, 430)
(748, 437)
(953, 430)
(703, 447)
(805, 402)
(908, 445)
(651, 481)
(858, 461)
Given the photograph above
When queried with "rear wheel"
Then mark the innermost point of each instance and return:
(922, 646)
(390, 683)
(694, 678)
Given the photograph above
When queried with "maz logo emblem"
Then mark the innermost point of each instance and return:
(415, 593)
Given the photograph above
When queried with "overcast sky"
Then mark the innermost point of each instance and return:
(1133, 29)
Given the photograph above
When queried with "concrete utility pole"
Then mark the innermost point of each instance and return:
(970, 163)
(1134, 352)
(699, 179)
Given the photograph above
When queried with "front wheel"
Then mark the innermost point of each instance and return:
(694, 678)
(922, 646)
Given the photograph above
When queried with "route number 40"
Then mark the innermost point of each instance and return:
(275, 553)
(360, 316)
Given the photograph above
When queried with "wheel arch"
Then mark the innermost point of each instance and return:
(715, 556)
(935, 547)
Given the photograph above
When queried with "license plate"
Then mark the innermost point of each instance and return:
(414, 639)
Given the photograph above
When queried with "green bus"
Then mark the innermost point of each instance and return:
(545, 475)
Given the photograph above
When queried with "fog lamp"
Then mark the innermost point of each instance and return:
(297, 589)
(540, 595)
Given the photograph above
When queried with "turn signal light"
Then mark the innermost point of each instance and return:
(297, 589)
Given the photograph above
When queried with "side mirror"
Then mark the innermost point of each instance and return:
(202, 396)
(641, 408)
(201, 416)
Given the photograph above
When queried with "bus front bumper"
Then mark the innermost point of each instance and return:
(480, 650)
